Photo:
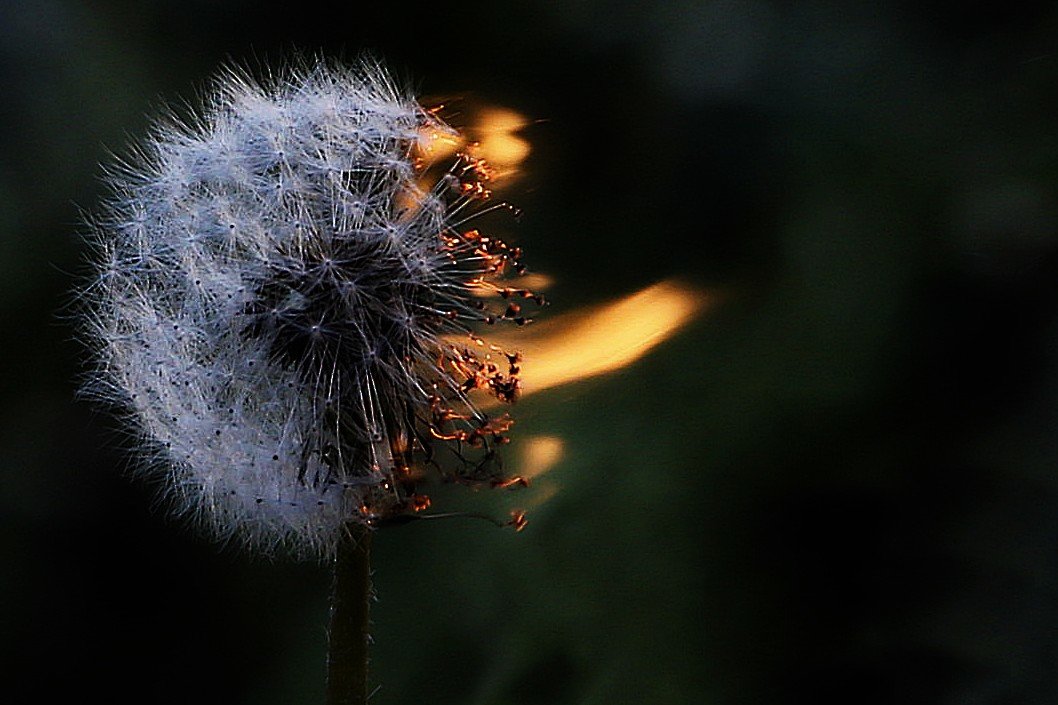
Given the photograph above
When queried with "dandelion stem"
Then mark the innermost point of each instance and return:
(350, 608)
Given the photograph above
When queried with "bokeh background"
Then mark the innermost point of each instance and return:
(841, 479)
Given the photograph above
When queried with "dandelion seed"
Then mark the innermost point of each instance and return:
(275, 303)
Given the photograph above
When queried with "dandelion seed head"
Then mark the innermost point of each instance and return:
(284, 303)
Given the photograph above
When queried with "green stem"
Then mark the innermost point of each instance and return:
(350, 606)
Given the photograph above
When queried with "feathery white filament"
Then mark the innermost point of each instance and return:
(273, 297)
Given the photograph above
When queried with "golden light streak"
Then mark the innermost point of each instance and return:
(490, 134)
(602, 339)
(497, 141)
(497, 119)
(539, 454)
(436, 144)
(535, 281)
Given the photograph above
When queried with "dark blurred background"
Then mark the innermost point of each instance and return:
(840, 480)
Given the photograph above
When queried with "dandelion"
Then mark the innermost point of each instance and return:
(287, 306)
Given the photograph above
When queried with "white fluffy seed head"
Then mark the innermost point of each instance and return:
(284, 306)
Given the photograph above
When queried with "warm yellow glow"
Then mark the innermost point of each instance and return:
(504, 153)
(436, 144)
(490, 134)
(539, 454)
(602, 339)
(536, 282)
(495, 131)
(497, 119)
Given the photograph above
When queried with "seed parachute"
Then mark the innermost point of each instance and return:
(289, 305)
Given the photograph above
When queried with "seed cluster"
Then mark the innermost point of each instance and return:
(286, 307)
